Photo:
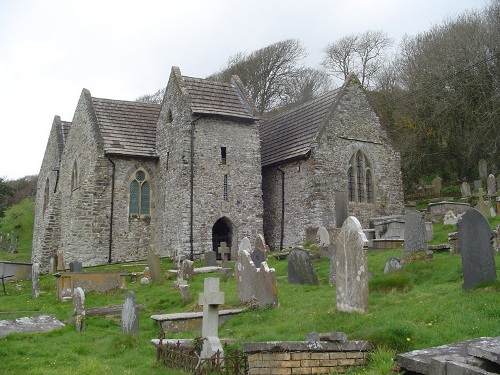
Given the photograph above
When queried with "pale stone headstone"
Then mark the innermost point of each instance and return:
(79, 308)
(465, 190)
(35, 274)
(245, 245)
(260, 243)
(210, 299)
(475, 242)
(429, 231)
(265, 284)
(392, 264)
(75, 266)
(300, 268)
(258, 256)
(450, 218)
(437, 185)
(351, 287)
(185, 293)
(52, 265)
(478, 184)
(186, 270)
(60, 261)
(210, 258)
(245, 277)
(491, 183)
(415, 234)
(130, 315)
(146, 273)
(224, 252)
(481, 205)
(323, 242)
(483, 169)
(154, 264)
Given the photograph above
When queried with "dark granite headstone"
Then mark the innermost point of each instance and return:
(300, 268)
(75, 266)
(210, 258)
(130, 315)
(476, 248)
(478, 184)
(415, 233)
(258, 256)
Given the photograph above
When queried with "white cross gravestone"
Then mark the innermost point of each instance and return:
(224, 253)
(210, 299)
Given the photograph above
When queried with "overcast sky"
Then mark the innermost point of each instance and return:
(51, 49)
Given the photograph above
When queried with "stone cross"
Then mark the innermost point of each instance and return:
(210, 299)
(224, 252)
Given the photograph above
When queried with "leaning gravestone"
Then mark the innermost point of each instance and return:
(35, 273)
(245, 276)
(130, 315)
(437, 185)
(465, 190)
(300, 268)
(210, 258)
(476, 249)
(79, 308)
(481, 205)
(210, 299)
(415, 234)
(154, 264)
(491, 184)
(260, 243)
(265, 286)
(351, 287)
(483, 169)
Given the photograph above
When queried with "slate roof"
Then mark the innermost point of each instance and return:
(289, 135)
(127, 128)
(64, 128)
(217, 98)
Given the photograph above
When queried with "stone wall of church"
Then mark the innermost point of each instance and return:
(46, 228)
(311, 185)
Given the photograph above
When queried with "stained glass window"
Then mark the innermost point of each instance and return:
(360, 179)
(140, 194)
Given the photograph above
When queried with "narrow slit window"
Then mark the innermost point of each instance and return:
(223, 155)
(225, 197)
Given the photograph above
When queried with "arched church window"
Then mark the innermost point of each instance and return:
(74, 177)
(360, 179)
(46, 195)
(139, 194)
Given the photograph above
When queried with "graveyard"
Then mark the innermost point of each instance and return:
(420, 306)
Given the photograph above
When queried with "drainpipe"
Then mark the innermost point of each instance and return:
(113, 167)
(191, 193)
(282, 207)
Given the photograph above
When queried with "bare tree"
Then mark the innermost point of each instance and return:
(362, 54)
(157, 97)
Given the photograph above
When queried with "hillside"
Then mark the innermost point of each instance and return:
(19, 219)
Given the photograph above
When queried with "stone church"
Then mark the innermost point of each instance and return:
(203, 168)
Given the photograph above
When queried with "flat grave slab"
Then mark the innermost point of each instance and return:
(41, 323)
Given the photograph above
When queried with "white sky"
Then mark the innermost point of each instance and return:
(119, 49)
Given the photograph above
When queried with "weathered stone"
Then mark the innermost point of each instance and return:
(185, 293)
(225, 253)
(245, 245)
(154, 264)
(392, 264)
(41, 323)
(258, 256)
(130, 315)
(478, 184)
(465, 190)
(186, 270)
(488, 349)
(260, 243)
(324, 243)
(475, 241)
(210, 258)
(265, 286)
(483, 169)
(437, 185)
(481, 205)
(415, 234)
(352, 268)
(146, 273)
(79, 308)
(329, 337)
(450, 218)
(245, 277)
(52, 265)
(75, 266)
(210, 299)
(35, 281)
(491, 184)
(300, 268)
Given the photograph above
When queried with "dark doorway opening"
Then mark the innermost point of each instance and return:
(221, 232)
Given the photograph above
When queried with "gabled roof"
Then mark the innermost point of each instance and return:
(214, 98)
(127, 128)
(289, 135)
(63, 128)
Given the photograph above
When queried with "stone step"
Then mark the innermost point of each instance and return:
(488, 349)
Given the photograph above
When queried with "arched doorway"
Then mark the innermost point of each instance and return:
(221, 232)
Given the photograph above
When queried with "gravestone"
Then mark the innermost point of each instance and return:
(300, 268)
(154, 264)
(476, 248)
(437, 185)
(260, 243)
(415, 234)
(146, 273)
(210, 258)
(130, 315)
(491, 184)
(323, 242)
(35, 280)
(245, 245)
(258, 256)
(255, 284)
(483, 169)
(185, 293)
(210, 299)
(186, 270)
(224, 252)
(75, 266)
(392, 264)
(450, 218)
(79, 308)
(429, 231)
(60, 261)
(465, 190)
(351, 287)
(498, 182)
(478, 184)
(481, 205)
(52, 265)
